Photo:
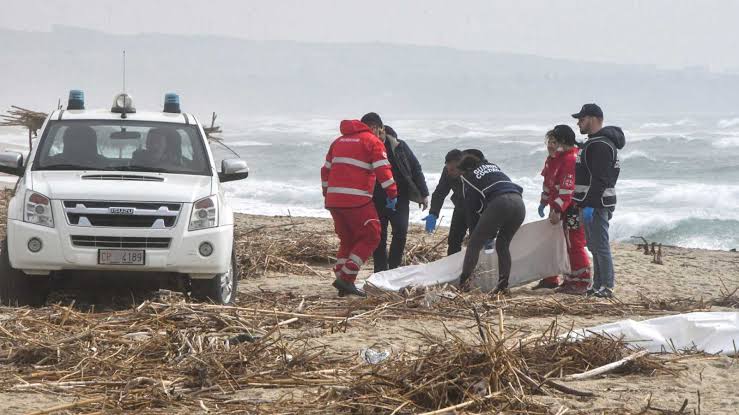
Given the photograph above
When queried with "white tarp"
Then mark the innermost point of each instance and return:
(710, 332)
(538, 250)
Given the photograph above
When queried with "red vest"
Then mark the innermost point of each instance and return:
(354, 162)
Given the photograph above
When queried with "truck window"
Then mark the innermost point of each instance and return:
(113, 145)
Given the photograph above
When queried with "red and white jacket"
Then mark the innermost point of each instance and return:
(354, 162)
(559, 180)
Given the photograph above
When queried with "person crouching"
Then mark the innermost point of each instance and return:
(494, 209)
(353, 163)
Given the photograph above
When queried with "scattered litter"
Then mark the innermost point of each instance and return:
(373, 356)
(708, 332)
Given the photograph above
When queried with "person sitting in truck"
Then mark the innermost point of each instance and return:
(163, 147)
(79, 147)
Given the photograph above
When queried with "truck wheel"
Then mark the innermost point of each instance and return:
(17, 288)
(220, 289)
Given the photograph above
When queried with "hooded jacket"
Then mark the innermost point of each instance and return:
(407, 172)
(353, 163)
(598, 167)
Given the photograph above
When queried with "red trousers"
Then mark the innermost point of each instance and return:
(579, 275)
(359, 234)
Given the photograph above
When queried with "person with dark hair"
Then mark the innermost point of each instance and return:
(411, 188)
(559, 185)
(163, 148)
(495, 210)
(355, 162)
(475, 152)
(79, 146)
(596, 174)
(450, 181)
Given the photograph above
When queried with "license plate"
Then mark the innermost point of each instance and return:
(121, 256)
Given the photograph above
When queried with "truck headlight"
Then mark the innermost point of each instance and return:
(204, 213)
(37, 209)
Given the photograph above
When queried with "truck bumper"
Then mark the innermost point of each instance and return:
(58, 253)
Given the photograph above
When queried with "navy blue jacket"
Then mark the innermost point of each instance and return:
(446, 184)
(597, 169)
(482, 185)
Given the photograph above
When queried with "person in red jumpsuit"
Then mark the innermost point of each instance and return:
(559, 186)
(354, 162)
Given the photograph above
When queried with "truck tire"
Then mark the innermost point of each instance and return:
(17, 288)
(220, 289)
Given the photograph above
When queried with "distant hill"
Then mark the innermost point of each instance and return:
(235, 76)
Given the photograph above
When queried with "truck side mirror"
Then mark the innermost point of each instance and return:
(11, 162)
(233, 169)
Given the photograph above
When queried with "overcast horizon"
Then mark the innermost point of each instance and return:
(662, 33)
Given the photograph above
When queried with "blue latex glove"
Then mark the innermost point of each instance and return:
(541, 209)
(430, 222)
(587, 214)
(489, 245)
(390, 204)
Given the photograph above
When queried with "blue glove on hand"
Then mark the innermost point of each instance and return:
(489, 245)
(541, 209)
(390, 204)
(430, 222)
(587, 214)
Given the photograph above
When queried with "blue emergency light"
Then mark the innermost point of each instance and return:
(76, 100)
(172, 103)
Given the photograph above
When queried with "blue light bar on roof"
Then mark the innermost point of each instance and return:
(76, 100)
(172, 103)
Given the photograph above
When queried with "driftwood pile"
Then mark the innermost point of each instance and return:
(22, 117)
(173, 357)
(5, 195)
(296, 247)
(655, 253)
(491, 374)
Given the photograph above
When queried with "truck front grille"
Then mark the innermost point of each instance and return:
(85, 241)
(121, 214)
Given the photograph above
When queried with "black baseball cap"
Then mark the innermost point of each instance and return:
(592, 110)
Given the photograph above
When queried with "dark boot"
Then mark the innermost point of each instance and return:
(544, 284)
(347, 288)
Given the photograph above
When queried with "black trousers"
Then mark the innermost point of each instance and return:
(500, 220)
(457, 230)
(383, 259)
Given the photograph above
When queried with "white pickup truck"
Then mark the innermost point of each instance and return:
(119, 191)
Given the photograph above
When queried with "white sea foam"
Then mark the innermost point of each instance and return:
(635, 154)
(526, 127)
(726, 142)
(732, 122)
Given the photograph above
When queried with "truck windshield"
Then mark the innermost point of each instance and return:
(122, 146)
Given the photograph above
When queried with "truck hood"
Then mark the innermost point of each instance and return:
(121, 186)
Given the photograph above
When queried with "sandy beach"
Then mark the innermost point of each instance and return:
(299, 288)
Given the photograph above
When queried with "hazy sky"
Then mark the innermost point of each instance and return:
(663, 32)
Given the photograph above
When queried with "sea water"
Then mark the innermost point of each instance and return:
(679, 181)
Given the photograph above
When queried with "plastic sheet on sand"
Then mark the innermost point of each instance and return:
(709, 332)
(538, 250)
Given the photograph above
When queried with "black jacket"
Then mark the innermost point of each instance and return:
(446, 184)
(482, 185)
(598, 167)
(407, 173)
